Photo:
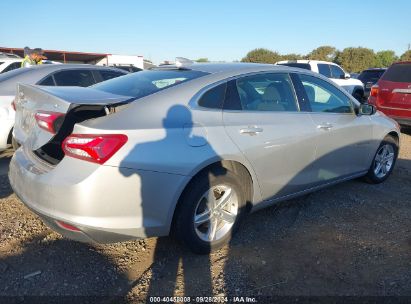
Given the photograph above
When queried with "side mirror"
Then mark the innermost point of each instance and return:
(345, 76)
(366, 109)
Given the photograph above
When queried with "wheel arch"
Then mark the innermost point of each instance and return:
(10, 137)
(233, 166)
(394, 135)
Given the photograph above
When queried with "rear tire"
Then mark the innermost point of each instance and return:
(383, 162)
(198, 223)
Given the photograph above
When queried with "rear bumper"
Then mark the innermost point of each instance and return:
(106, 204)
(403, 121)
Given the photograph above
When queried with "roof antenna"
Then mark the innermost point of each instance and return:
(182, 62)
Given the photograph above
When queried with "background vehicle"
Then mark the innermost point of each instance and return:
(9, 64)
(392, 93)
(128, 68)
(332, 71)
(370, 77)
(48, 75)
(8, 55)
(218, 140)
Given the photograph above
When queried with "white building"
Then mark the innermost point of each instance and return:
(124, 60)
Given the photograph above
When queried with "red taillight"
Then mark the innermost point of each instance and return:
(48, 121)
(67, 226)
(93, 148)
(374, 91)
(13, 104)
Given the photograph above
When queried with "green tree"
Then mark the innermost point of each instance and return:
(202, 60)
(356, 59)
(291, 56)
(324, 53)
(406, 56)
(262, 56)
(385, 58)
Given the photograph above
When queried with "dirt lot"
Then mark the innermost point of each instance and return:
(351, 239)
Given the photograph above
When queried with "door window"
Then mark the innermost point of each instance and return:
(266, 92)
(325, 97)
(337, 72)
(79, 78)
(324, 69)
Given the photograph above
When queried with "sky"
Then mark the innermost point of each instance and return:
(222, 30)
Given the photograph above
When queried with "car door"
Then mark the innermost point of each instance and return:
(343, 138)
(262, 117)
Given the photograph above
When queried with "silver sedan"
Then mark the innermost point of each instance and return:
(189, 150)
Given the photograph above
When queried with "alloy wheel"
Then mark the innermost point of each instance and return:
(384, 160)
(215, 213)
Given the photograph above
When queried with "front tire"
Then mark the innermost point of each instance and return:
(209, 211)
(359, 96)
(383, 162)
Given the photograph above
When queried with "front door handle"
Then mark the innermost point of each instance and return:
(325, 126)
(251, 130)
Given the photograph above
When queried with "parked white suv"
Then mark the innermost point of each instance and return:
(333, 71)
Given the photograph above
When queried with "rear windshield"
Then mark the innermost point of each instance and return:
(398, 73)
(371, 76)
(304, 66)
(144, 83)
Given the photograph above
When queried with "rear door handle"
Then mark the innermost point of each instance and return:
(325, 126)
(251, 130)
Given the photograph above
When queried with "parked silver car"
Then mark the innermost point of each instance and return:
(189, 150)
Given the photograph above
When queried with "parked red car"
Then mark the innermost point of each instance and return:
(392, 93)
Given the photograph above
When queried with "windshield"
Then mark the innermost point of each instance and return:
(144, 83)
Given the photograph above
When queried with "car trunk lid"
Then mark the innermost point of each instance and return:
(394, 95)
(34, 101)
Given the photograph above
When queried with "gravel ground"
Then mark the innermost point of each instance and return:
(350, 239)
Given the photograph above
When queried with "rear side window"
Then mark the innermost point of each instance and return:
(324, 97)
(106, 75)
(78, 78)
(48, 81)
(266, 92)
(304, 66)
(324, 69)
(144, 83)
(398, 73)
(213, 98)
